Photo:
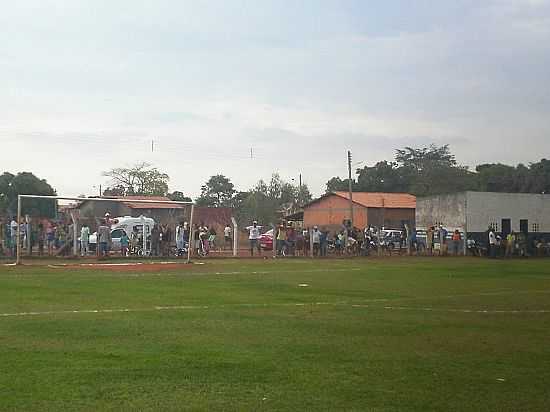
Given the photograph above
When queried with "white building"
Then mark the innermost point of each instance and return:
(474, 212)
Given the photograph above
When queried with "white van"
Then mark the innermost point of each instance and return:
(125, 224)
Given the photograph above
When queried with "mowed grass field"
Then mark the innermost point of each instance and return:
(401, 334)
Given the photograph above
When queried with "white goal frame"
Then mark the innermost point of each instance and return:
(101, 199)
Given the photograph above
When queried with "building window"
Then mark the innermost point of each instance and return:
(494, 225)
(535, 228)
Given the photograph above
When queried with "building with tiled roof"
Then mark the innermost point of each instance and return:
(390, 210)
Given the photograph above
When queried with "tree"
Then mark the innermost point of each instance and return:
(218, 191)
(336, 184)
(141, 179)
(304, 195)
(116, 191)
(26, 183)
(539, 177)
(267, 201)
(425, 171)
(496, 178)
(382, 177)
(178, 197)
(433, 170)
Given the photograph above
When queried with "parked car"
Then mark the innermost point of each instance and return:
(394, 233)
(121, 225)
(266, 240)
(391, 239)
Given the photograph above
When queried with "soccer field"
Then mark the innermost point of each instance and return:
(365, 334)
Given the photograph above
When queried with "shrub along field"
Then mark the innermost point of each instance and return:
(382, 334)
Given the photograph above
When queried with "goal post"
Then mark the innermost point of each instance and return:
(21, 198)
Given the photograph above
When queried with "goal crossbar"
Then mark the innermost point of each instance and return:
(100, 199)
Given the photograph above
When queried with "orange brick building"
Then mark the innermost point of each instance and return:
(390, 210)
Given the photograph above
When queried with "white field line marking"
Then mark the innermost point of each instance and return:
(470, 295)
(166, 308)
(92, 265)
(428, 309)
(489, 311)
(256, 272)
(263, 305)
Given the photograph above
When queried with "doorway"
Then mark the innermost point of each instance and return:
(506, 226)
(524, 226)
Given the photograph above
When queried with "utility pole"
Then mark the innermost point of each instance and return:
(350, 189)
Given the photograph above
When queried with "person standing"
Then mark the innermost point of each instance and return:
(186, 236)
(13, 236)
(305, 234)
(61, 236)
(324, 242)
(179, 237)
(492, 242)
(456, 241)
(166, 240)
(510, 241)
(430, 240)
(135, 243)
(443, 241)
(316, 240)
(50, 238)
(124, 243)
(155, 241)
(227, 237)
(254, 237)
(104, 238)
(41, 237)
(281, 240)
(84, 240)
(291, 239)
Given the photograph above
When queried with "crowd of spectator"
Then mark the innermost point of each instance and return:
(47, 238)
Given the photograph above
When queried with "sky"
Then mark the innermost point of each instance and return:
(248, 88)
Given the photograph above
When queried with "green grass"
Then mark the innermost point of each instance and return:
(389, 334)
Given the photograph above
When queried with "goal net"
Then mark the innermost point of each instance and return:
(81, 227)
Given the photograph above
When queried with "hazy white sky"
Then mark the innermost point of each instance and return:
(86, 85)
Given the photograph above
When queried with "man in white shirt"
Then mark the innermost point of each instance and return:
(316, 240)
(227, 236)
(84, 239)
(492, 243)
(254, 237)
(13, 235)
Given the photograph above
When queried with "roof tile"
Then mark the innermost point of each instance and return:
(379, 199)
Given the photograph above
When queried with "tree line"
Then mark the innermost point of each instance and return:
(434, 170)
(264, 201)
(423, 171)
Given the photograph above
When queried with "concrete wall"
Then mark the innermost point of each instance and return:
(485, 208)
(448, 210)
(390, 218)
(475, 211)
